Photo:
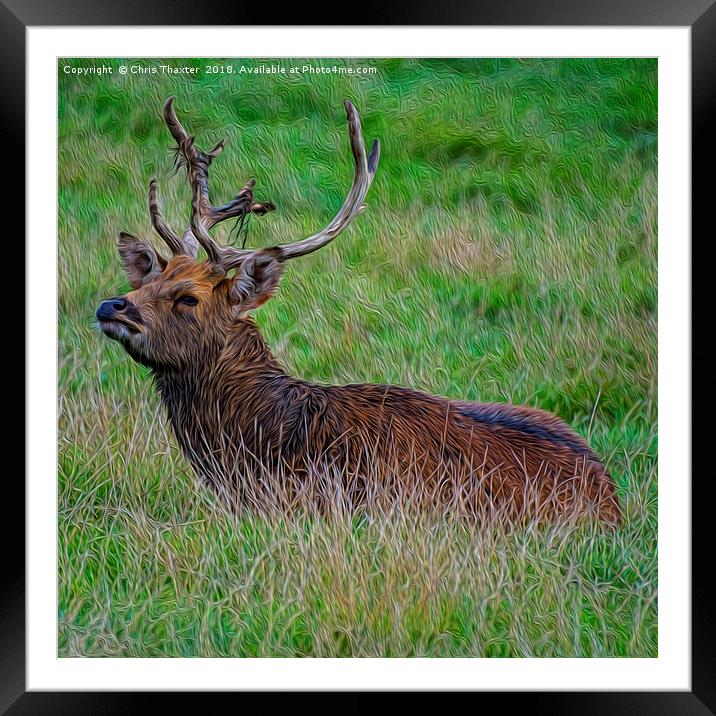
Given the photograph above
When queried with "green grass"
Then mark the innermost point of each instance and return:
(508, 253)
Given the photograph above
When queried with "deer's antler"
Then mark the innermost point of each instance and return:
(204, 215)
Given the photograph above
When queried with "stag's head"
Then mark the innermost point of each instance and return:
(179, 306)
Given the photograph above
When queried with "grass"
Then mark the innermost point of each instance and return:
(508, 253)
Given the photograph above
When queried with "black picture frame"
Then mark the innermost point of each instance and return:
(699, 15)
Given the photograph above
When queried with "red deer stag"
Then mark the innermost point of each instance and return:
(242, 421)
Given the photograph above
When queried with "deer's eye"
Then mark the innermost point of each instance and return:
(186, 301)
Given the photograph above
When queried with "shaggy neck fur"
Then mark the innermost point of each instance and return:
(228, 401)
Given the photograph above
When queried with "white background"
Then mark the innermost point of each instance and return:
(671, 670)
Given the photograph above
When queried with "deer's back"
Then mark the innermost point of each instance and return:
(502, 453)
(515, 451)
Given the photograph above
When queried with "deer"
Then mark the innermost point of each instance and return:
(242, 420)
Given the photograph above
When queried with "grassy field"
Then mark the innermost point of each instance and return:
(508, 253)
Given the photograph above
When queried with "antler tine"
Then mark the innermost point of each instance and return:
(175, 126)
(178, 246)
(214, 153)
(242, 203)
(365, 167)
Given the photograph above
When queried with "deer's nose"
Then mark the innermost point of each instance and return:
(109, 308)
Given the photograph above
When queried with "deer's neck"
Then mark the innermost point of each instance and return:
(227, 397)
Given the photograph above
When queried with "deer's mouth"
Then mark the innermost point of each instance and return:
(119, 328)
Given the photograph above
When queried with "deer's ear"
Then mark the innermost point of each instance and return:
(138, 258)
(256, 279)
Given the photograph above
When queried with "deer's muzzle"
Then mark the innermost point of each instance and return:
(121, 311)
